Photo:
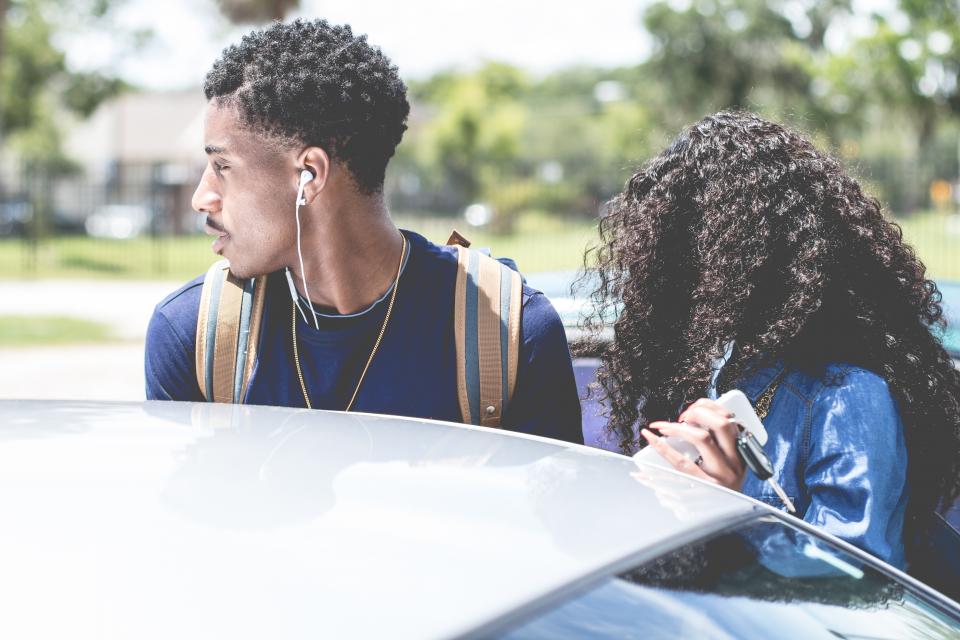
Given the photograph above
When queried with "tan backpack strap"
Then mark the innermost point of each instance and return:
(487, 308)
(459, 335)
(228, 326)
(458, 238)
(251, 334)
(225, 341)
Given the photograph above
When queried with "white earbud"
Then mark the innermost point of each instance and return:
(305, 177)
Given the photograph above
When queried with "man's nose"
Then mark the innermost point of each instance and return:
(207, 199)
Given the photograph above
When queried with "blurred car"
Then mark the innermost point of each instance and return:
(184, 520)
(571, 300)
(569, 297)
(119, 221)
(951, 311)
(15, 215)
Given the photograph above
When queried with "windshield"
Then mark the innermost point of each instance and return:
(764, 579)
(951, 312)
(571, 301)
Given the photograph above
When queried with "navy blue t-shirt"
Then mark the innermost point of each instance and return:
(414, 370)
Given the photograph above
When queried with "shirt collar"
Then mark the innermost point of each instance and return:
(756, 380)
(373, 305)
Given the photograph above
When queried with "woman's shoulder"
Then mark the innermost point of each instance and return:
(837, 381)
(851, 400)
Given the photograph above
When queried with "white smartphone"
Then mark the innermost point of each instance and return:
(652, 456)
(733, 401)
(737, 403)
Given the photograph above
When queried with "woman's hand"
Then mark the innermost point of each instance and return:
(713, 431)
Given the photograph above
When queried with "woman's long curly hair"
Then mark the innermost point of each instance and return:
(742, 230)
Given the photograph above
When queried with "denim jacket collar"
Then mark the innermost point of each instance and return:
(756, 381)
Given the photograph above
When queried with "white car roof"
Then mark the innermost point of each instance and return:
(182, 520)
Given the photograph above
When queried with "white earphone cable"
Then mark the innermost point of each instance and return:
(303, 274)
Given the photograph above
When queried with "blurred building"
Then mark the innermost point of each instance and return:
(139, 150)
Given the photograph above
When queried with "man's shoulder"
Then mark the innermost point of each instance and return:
(445, 257)
(433, 255)
(534, 298)
(540, 319)
(180, 307)
(170, 343)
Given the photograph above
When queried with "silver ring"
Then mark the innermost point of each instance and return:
(698, 461)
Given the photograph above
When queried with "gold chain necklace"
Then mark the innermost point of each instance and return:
(376, 345)
(766, 398)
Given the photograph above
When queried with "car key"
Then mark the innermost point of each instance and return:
(750, 440)
(759, 462)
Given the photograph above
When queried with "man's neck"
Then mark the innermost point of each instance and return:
(351, 254)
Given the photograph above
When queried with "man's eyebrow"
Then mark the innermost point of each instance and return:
(212, 148)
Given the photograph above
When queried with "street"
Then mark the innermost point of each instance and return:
(106, 371)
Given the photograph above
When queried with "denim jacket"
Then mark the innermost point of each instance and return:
(837, 448)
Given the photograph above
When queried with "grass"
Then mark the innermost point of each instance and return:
(88, 258)
(539, 243)
(936, 239)
(28, 331)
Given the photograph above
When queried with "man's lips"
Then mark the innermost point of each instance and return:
(212, 228)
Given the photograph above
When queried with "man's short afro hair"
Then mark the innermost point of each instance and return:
(319, 85)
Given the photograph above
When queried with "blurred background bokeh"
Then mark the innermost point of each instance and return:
(526, 117)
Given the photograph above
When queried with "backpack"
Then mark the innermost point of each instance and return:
(486, 316)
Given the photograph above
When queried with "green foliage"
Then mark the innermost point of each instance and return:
(716, 52)
(84, 91)
(750, 54)
(36, 87)
(474, 136)
(884, 97)
(28, 64)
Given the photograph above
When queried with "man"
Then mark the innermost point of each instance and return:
(310, 107)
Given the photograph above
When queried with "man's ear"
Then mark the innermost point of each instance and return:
(316, 161)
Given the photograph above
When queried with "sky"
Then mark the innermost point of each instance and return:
(420, 36)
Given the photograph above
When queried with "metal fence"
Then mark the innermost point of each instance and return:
(135, 220)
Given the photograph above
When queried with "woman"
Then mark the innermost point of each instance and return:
(741, 234)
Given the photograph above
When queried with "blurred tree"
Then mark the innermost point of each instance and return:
(756, 54)
(4, 7)
(878, 86)
(256, 11)
(37, 90)
(472, 142)
(910, 64)
(592, 126)
(35, 84)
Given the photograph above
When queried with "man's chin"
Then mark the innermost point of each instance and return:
(242, 270)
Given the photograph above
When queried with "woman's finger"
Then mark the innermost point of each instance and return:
(726, 436)
(721, 426)
(715, 462)
(706, 415)
(702, 439)
(679, 461)
(710, 404)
